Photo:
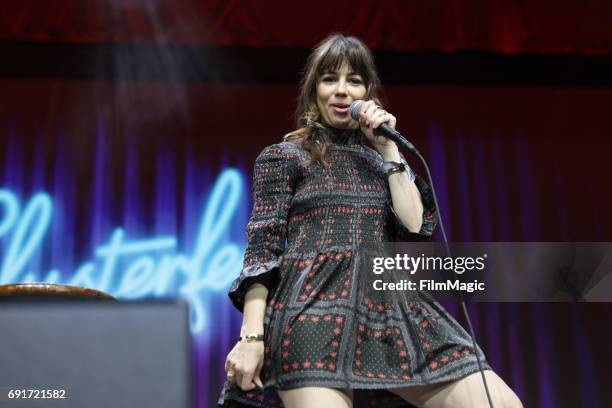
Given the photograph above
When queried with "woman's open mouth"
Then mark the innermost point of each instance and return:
(340, 107)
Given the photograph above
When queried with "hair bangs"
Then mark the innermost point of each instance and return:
(345, 50)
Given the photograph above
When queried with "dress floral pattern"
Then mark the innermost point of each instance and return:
(321, 327)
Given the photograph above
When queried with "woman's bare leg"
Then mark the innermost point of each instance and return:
(468, 392)
(316, 397)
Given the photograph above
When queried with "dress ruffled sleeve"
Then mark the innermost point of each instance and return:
(273, 178)
(430, 219)
(403, 234)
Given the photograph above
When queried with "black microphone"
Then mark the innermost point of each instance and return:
(383, 129)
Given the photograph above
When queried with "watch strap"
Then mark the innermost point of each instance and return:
(252, 337)
(392, 167)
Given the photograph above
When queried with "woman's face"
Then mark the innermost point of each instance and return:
(336, 91)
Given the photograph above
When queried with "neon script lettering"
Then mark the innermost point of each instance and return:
(133, 269)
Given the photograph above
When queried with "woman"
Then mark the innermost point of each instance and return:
(311, 337)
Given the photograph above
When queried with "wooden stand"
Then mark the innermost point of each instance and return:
(50, 291)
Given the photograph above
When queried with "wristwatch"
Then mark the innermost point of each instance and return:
(252, 337)
(392, 167)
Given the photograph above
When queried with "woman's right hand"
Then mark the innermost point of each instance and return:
(243, 364)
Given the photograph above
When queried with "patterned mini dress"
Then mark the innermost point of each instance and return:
(321, 327)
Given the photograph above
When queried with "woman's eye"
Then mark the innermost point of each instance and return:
(328, 79)
(356, 81)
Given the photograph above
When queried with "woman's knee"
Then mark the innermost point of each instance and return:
(467, 392)
(512, 400)
(470, 392)
(505, 395)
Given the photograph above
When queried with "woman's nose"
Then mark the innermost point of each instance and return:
(341, 87)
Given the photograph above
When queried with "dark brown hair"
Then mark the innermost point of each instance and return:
(329, 55)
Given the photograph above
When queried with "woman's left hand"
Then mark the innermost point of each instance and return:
(370, 118)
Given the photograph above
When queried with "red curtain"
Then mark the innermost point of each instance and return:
(508, 26)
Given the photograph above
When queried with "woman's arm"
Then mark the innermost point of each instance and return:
(273, 179)
(254, 310)
(245, 361)
(405, 195)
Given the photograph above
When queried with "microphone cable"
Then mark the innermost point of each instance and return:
(448, 252)
(392, 134)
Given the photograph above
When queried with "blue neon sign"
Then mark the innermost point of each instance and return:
(133, 269)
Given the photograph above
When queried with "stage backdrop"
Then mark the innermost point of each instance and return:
(144, 190)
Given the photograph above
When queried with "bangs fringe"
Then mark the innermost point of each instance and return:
(346, 50)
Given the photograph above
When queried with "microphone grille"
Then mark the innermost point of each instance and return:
(355, 109)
